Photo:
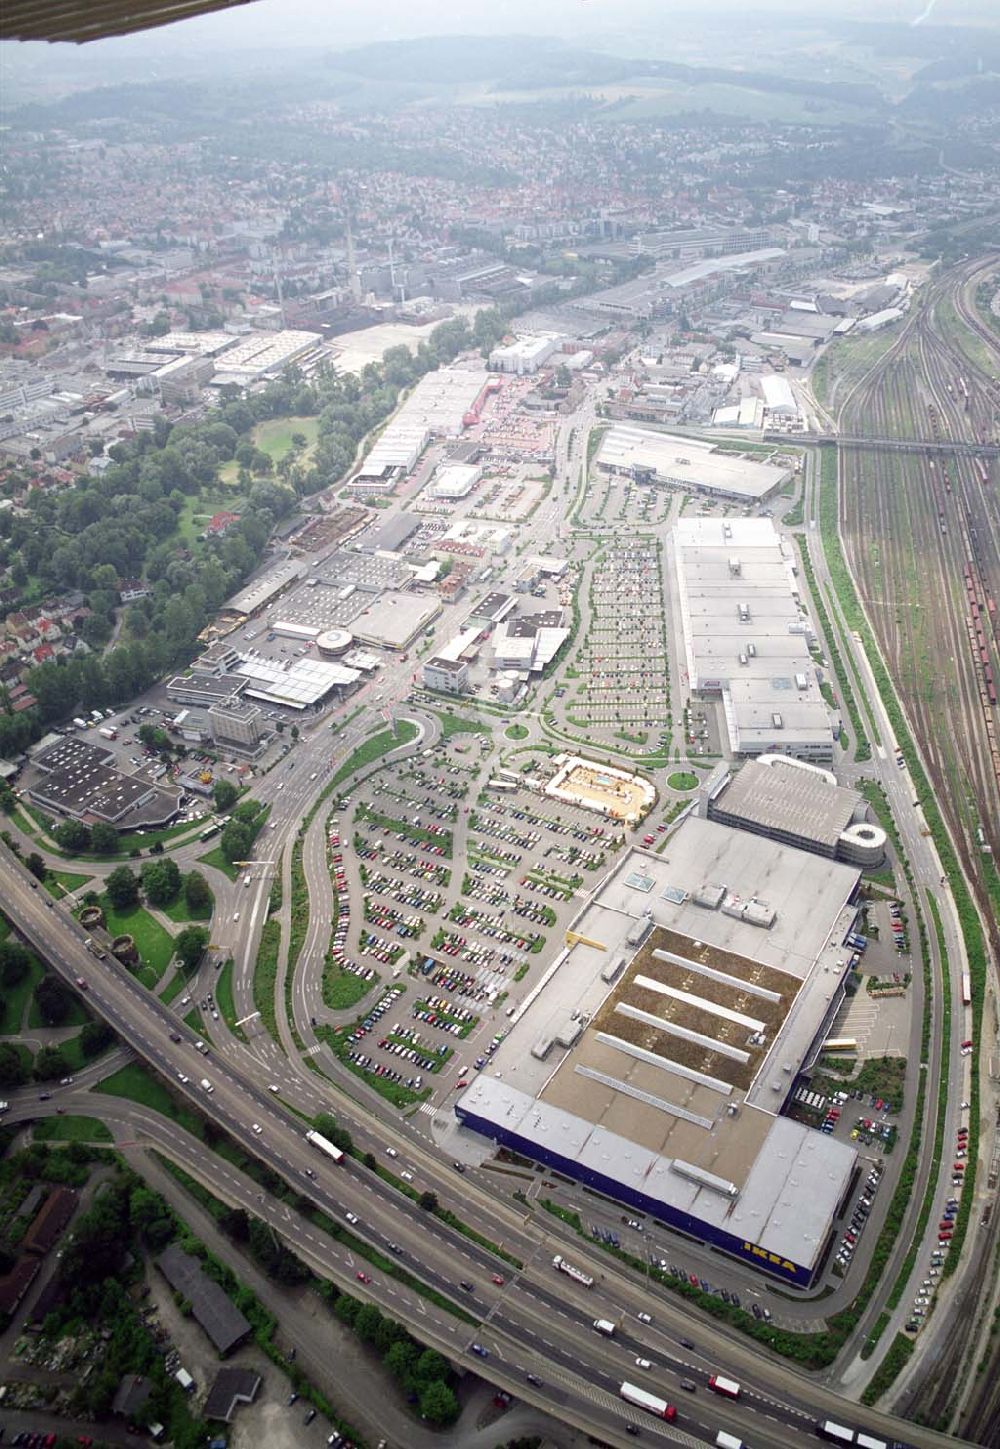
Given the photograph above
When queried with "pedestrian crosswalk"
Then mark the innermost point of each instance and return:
(428, 1109)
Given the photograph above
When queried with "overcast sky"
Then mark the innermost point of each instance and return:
(336, 23)
(703, 29)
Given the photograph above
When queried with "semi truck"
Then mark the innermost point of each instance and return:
(577, 1274)
(719, 1384)
(632, 1394)
(323, 1144)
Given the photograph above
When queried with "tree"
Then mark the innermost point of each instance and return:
(225, 795)
(327, 1127)
(8, 800)
(428, 1201)
(438, 1404)
(49, 1064)
(94, 1037)
(161, 881)
(53, 1001)
(189, 946)
(122, 887)
(72, 835)
(103, 838)
(294, 731)
(197, 895)
(15, 962)
(37, 866)
(236, 840)
(12, 1069)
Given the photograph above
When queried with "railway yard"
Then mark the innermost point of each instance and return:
(921, 532)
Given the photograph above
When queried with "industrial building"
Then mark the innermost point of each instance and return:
(746, 636)
(262, 590)
(529, 643)
(524, 356)
(645, 456)
(304, 684)
(394, 620)
(436, 408)
(263, 355)
(800, 804)
(454, 481)
(654, 1058)
(779, 400)
(77, 779)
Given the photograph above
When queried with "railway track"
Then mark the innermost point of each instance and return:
(923, 536)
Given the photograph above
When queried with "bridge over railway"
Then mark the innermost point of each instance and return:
(889, 445)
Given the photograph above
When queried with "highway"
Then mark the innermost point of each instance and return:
(533, 1323)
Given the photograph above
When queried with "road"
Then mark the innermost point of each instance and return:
(531, 1323)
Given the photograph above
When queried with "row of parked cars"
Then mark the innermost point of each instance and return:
(859, 1219)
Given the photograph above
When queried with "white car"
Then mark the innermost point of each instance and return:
(236, 916)
(256, 1127)
(391, 1152)
(643, 1363)
(351, 1217)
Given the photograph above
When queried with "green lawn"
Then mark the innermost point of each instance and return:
(374, 748)
(71, 1129)
(72, 1050)
(176, 987)
(452, 724)
(15, 999)
(155, 945)
(136, 1084)
(218, 861)
(224, 999)
(274, 437)
(60, 882)
(179, 912)
(516, 732)
(682, 780)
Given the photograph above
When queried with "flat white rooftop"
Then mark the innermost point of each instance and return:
(746, 635)
(687, 463)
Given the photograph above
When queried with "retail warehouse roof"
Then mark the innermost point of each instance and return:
(711, 266)
(771, 1208)
(305, 683)
(262, 590)
(687, 462)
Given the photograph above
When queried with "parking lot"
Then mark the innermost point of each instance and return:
(437, 950)
(616, 686)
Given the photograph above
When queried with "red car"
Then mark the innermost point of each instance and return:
(498, 1280)
(362, 1277)
(462, 1083)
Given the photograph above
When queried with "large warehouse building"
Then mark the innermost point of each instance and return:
(654, 1058)
(746, 637)
(645, 456)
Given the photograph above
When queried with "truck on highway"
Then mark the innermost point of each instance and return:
(577, 1274)
(632, 1394)
(605, 1326)
(724, 1440)
(324, 1145)
(719, 1384)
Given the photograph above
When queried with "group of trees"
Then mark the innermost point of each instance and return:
(241, 830)
(75, 837)
(161, 882)
(54, 1001)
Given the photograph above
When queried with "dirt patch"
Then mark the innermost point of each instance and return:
(691, 1016)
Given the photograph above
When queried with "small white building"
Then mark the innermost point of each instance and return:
(448, 676)
(524, 356)
(779, 400)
